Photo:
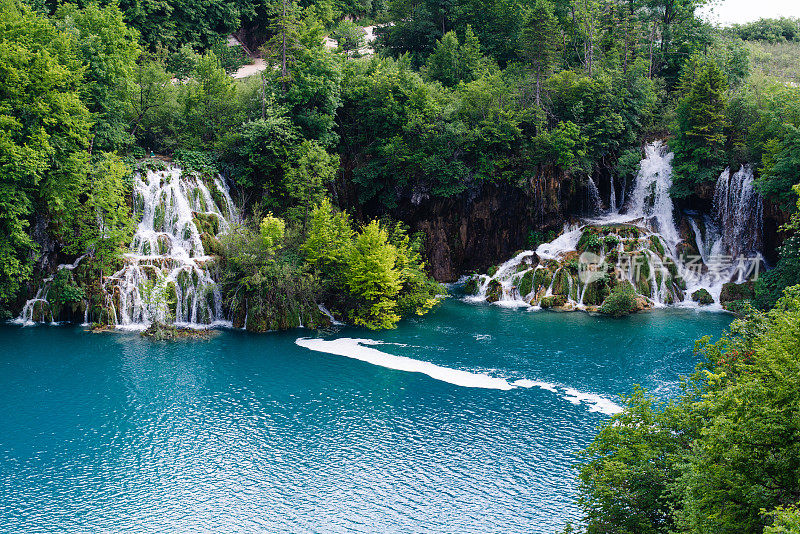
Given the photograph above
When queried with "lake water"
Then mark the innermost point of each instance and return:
(242, 432)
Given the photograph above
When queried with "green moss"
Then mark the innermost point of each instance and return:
(561, 283)
(702, 297)
(491, 271)
(589, 241)
(494, 292)
(541, 279)
(621, 301)
(553, 301)
(472, 286)
(732, 292)
(595, 293)
(526, 283)
(656, 245)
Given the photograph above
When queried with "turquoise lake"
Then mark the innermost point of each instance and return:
(255, 433)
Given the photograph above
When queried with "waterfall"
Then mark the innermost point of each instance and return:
(166, 275)
(595, 202)
(738, 210)
(38, 308)
(650, 198)
(646, 232)
(612, 195)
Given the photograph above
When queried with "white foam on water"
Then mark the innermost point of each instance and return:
(357, 349)
(595, 402)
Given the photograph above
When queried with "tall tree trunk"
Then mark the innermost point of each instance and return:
(283, 49)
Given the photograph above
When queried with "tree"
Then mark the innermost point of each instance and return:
(724, 457)
(539, 42)
(209, 103)
(282, 48)
(307, 178)
(349, 36)
(43, 137)
(109, 49)
(104, 226)
(699, 142)
(373, 279)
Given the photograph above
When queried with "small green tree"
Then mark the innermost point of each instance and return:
(699, 141)
(373, 279)
(272, 230)
(307, 178)
(349, 36)
(539, 42)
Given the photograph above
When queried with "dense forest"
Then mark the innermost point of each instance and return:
(346, 164)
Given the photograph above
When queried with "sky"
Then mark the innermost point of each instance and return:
(728, 12)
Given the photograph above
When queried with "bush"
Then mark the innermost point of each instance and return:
(702, 297)
(620, 302)
(472, 286)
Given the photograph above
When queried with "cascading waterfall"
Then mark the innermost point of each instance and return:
(643, 230)
(38, 308)
(166, 276)
(612, 195)
(650, 200)
(595, 202)
(738, 209)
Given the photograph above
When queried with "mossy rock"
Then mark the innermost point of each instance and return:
(621, 301)
(525, 285)
(494, 292)
(491, 271)
(590, 241)
(644, 286)
(702, 297)
(732, 292)
(656, 245)
(561, 282)
(472, 286)
(553, 301)
(595, 293)
(541, 279)
(211, 245)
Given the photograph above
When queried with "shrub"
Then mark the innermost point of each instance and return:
(703, 297)
(620, 302)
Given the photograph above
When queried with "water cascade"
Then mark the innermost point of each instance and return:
(639, 243)
(739, 211)
(38, 309)
(166, 275)
(595, 202)
(612, 195)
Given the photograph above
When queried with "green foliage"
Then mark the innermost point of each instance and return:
(785, 520)
(109, 49)
(372, 278)
(272, 231)
(64, 290)
(698, 464)
(102, 224)
(377, 274)
(264, 284)
(539, 41)
(770, 285)
(307, 178)
(349, 36)
(44, 130)
(621, 301)
(770, 30)
(452, 62)
(699, 141)
(182, 62)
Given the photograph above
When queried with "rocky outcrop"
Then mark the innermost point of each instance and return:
(480, 227)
